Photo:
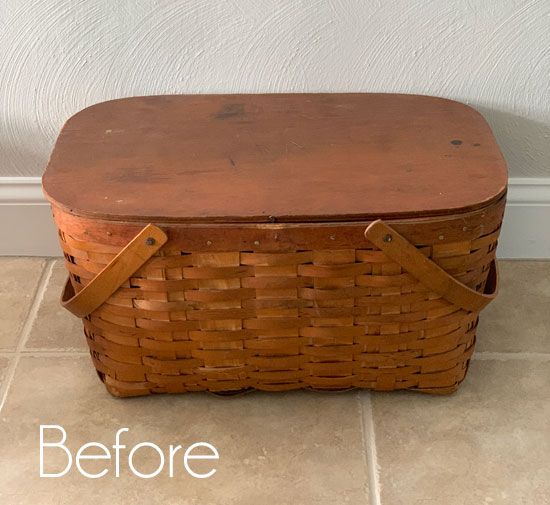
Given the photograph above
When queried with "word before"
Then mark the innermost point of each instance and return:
(98, 451)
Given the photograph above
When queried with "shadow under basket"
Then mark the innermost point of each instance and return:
(295, 286)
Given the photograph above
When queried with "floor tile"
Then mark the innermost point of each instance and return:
(280, 448)
(519, 319)
(56, 328)
(487, 444)
(18, 282)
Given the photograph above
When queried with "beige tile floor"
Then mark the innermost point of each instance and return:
(487, 444)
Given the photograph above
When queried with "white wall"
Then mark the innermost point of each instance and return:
(58, 56)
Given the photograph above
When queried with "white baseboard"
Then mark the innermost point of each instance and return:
(26, 227)
(526, 228)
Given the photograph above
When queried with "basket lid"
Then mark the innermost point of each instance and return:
(274, 158)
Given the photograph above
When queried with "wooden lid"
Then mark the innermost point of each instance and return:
(262, 158)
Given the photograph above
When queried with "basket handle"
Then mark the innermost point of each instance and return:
(128, 261)
(399, 249)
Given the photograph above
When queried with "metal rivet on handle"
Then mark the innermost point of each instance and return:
(208, 242)
(256, 242)
(388, 238)
(150, 241)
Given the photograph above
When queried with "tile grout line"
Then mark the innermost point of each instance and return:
(27, 328)
(510, 356)
(369, 446)
(364, 446)
(53, 353)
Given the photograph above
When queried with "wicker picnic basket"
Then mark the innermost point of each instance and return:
(278, 242)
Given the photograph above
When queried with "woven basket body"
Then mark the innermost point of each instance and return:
(328, 305)
(336, 313)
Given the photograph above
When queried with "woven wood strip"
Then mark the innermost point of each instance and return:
(329, 319)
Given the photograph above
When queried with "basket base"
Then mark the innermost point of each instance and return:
(119, 390)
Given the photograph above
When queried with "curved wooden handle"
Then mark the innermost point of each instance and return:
(400, 250)
(146, 243)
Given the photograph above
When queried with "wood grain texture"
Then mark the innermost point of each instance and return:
(275, 158)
